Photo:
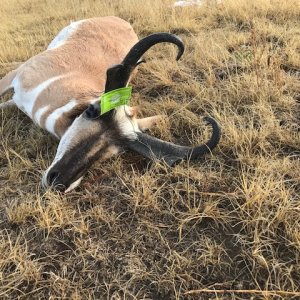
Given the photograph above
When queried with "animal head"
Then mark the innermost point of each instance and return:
(93, 136)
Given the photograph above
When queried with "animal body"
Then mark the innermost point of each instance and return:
(59, 90)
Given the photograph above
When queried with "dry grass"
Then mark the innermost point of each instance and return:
(230, 221)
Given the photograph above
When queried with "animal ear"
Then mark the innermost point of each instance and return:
(93, 111)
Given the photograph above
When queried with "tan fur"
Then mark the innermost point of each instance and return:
(6, 81)
(82, 60)
(70, 87)
(132, 111)
(111, 150)
(81, 63)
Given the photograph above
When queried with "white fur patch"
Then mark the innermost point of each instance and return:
(127, 125)
(39, 113)
(66, 139)
(25, 100)
(56, 114)
(62, 148)
(64, 34)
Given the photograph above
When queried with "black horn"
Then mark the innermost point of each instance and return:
(154, 148)
(118, 75)
(138, 50)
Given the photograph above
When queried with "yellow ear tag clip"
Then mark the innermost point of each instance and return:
(115, 98)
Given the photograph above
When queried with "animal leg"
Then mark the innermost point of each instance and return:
(5, 82)
(5, 86)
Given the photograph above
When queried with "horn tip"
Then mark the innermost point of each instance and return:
(210, 120)
(216, 136)
(179, 55)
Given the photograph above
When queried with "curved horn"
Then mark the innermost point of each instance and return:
(139, 49)
(154, 148)
(118, 75)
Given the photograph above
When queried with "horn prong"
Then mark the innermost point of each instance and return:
(132, 111)
(147, 123)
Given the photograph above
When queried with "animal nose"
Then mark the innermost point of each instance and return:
(52, 176)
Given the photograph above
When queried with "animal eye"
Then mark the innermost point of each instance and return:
(92, 112)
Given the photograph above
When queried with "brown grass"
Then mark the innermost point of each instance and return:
(229, 222)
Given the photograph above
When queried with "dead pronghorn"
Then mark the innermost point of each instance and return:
(59, 90)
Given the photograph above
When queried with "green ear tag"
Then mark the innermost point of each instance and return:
(114, 99)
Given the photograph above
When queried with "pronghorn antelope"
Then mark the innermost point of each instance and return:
(59, 90)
